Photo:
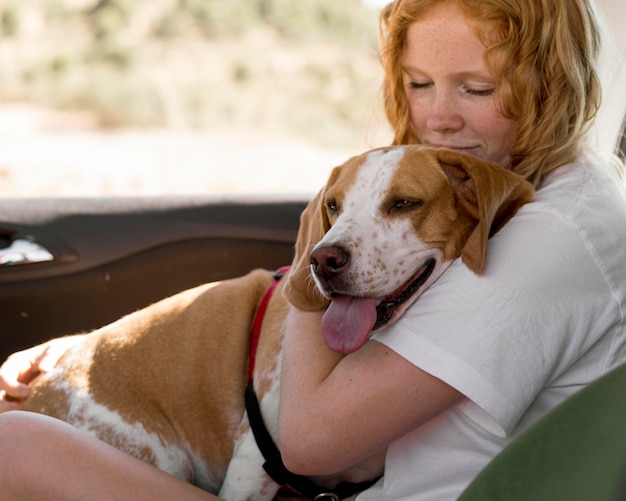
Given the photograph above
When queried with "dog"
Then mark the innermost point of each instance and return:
(166, 383)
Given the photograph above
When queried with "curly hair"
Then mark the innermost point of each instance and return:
(543, 56)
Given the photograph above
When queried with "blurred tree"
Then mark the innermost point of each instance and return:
(9, 20)
(108, 17)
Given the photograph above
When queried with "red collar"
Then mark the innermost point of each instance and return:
(260, 315)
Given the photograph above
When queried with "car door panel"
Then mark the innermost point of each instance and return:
(118, 255)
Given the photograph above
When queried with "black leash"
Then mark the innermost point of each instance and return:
(274, 463)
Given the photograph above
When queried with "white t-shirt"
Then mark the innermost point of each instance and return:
(545, 319)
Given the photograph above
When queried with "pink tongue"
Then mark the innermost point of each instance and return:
(348, 322)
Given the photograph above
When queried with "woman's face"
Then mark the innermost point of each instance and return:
(451, 95)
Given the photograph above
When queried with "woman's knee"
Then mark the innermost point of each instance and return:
(15, 428)
(22, 433)
(16, 424)
(12, 428)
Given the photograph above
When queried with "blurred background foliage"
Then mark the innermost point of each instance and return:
(308, 68)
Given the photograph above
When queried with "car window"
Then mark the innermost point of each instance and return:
(118, 97)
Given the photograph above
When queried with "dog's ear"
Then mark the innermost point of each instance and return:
(300, 289)
(490, 193)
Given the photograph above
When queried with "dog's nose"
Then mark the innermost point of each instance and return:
(328, 261)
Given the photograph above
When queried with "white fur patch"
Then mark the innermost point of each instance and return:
(133, 438)
(246, 479)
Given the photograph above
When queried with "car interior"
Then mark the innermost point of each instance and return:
(73, 265)
(70, 265)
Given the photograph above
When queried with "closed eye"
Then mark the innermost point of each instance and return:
(481, 92)
(418, 85)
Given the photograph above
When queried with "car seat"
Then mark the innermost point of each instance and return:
(576, 452)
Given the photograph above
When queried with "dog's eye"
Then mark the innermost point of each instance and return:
(332, 206)
(406, 203)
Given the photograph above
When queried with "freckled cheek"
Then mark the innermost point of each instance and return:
(417, 115)
(487, 114)
(501, 134)
(508, 129)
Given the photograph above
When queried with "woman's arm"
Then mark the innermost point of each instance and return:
(44, 458)
(336, 410)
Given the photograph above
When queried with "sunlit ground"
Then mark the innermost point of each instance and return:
(45, 153)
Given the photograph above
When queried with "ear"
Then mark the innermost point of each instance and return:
(490, 193)
(300, 289)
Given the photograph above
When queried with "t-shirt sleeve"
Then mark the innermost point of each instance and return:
(501, 337)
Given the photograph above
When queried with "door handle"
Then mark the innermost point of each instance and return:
(21, 246)
(24, 251)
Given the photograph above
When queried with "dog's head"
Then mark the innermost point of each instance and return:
(387, 225)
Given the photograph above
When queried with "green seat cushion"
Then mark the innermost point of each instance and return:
(576, 452)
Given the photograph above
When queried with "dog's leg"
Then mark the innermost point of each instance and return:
(245, 477)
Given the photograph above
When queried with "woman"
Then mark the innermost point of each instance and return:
(477, 359)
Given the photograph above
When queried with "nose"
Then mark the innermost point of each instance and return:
(444, 113)
(329, 261)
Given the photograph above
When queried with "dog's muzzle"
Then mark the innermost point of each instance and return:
(384, 311)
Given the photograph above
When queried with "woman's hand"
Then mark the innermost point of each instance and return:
(22, 367)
